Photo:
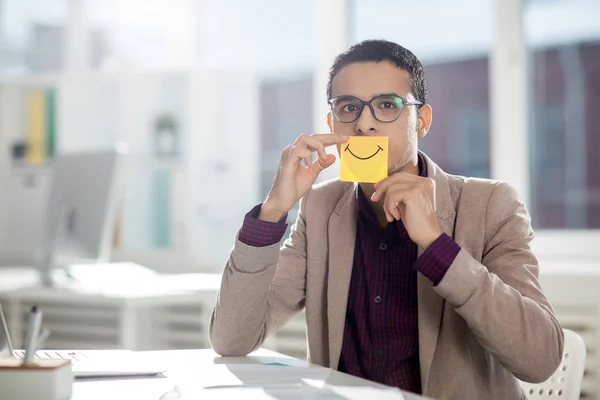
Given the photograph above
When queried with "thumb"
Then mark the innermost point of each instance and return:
(320, 164)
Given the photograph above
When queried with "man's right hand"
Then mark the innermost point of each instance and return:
(294, 178)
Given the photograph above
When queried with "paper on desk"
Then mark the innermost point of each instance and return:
(313, 393)
(169, 389)
(268, 381)
(305, 383)
(250, 374)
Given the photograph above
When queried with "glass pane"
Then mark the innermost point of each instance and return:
(275, 38)
(456, 67)
(563, 38)
(283, 61)
(157, 33)
(31, 36)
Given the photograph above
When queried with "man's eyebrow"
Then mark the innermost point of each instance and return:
(387, 94)
(377, 95)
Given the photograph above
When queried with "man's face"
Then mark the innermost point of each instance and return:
(366, 80)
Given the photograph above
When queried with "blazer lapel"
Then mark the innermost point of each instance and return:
(431, 304)
(342, 235)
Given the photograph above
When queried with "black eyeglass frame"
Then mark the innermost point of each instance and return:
(405, 102)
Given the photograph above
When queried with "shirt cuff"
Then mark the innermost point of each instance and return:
(258, 233)
(439, 256)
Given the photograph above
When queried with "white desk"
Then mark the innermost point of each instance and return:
(157, 311)
(114, 310)
(189, 371)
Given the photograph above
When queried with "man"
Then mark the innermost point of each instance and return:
(424, 281)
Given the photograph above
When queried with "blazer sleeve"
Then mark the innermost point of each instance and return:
(501, 299)
(262, 288)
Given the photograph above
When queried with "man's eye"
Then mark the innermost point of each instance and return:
(349, 108)
(387, 104)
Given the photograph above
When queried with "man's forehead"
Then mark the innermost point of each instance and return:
(369, 79)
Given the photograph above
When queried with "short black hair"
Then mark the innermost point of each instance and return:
(377, 50)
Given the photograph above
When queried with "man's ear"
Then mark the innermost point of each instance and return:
(424, 123)
(329, 122)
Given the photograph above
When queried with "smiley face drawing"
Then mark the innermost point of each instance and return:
(364, 159)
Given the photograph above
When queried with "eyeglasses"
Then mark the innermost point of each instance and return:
(385, 108)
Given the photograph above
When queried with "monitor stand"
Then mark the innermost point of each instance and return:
(52, 275)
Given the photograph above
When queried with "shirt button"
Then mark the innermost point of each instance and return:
(377, 299)
(383, 247)
(380, 353)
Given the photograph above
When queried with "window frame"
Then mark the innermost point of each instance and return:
(509, 95)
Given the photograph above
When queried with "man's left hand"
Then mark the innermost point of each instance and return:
(412, 199)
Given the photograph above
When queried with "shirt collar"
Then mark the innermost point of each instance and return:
(422, 165)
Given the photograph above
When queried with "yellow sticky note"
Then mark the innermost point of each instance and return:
(364, 159)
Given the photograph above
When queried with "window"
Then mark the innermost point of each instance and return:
(563, 38)
(456, 67)
(285, 114)
(124, 34)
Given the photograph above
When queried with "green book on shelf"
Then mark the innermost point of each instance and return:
(51, 126)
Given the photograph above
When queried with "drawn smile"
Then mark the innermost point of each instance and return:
(363, 158)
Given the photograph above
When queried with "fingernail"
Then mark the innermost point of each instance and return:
(345, 137)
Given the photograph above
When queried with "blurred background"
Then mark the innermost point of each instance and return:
(206, 93)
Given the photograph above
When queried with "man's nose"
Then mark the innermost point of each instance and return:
(366, 124)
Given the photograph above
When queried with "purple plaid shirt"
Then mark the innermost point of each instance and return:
(381, 333)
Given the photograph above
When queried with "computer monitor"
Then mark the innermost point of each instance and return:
(81, 210)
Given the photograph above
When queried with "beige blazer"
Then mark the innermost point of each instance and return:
(486, 323)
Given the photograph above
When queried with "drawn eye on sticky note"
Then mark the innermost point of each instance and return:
(364, 159)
